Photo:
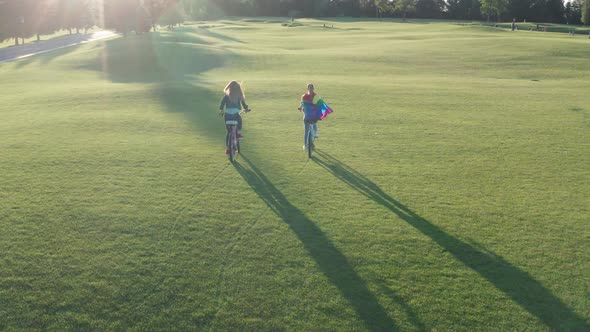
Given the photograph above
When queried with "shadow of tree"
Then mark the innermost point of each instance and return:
(517, 284)
(46, 51)
(46, 57)
(169, 64)
(150, 58)
(329, 259)
(219, 36)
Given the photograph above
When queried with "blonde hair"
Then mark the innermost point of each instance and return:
(234, 91)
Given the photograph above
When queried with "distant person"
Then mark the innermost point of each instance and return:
(233, 98)
(314, 109)
(513, 24)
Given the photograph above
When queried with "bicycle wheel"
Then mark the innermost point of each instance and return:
(310, 138)
(232, 144)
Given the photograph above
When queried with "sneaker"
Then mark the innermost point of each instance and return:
(226, 151)
(316, 135)
(305, 148)
(240, 136)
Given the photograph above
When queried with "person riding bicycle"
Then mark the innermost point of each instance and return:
(232, 99)
(310, 112)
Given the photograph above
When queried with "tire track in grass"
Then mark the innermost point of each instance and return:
(304, 166)
(183, 206)
(231, 243)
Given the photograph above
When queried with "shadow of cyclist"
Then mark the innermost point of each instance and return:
(514, 282)
(329, 259)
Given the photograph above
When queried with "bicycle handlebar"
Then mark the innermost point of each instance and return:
(245, 110)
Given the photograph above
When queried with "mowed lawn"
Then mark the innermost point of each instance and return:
(449, 190)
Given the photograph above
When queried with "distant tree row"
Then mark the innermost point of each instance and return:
(20, 19)
(27, 18)
(554, 11)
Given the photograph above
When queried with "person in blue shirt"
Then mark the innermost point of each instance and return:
(310, 112)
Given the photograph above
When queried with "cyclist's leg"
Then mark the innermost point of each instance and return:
(306, 132)
(227, 117)
(312, 133)
(315, 129)
(239, 118)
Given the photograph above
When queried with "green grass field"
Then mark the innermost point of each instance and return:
(449, 191)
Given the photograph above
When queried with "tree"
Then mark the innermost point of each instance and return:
(405, 7)
(75, 14)
(17, 19)
(265, 7)
(385, 6)
(474, 12)
(368, 8)
(120, 15)
(555, 11)
(46, 17)
(430, 8)
(204, 9)
(464, 9)
(493, 8)
(519, 9)
(351, 7)
(586, 12)
(172, 15)
(6, 24)
(307, 7)
(573, 12)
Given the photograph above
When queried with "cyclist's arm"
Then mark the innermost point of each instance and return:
(302, 102)
(244, 104)
(223, 102)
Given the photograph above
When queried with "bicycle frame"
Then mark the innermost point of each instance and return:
(232, 142)
(310, 139)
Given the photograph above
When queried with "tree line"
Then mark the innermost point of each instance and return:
(27, 18)
(20, 19)
(552, 11)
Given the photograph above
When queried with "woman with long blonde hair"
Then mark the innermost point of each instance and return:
(233, 99)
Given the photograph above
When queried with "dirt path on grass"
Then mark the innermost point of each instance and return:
(23, 51)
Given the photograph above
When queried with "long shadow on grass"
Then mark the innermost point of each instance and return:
(46, 57)
(328, 258)
(216, 35)
(519, 285)
(154, 58)
(52, 49)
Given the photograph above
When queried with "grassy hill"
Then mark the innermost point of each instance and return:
(449, 191)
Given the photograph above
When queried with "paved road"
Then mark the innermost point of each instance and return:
(30, 49)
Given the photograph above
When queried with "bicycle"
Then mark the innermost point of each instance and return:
(232, 141)
(311, 135)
